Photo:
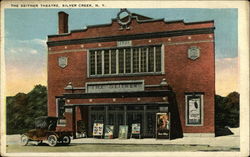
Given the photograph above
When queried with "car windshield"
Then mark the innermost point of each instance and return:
(45, 122)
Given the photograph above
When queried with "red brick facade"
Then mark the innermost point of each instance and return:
(181, 73)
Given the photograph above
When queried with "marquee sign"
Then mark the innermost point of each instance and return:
(115, 86)
(193, 53)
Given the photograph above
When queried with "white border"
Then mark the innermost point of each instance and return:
(243, 47)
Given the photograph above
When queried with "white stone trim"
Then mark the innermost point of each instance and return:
(109, 62)
(167, 43)
(115, 82)
(189, 42)
(102, 62)
(57, 106)
(117, 60)
(199, 134)
(88, 67)
(67, 51)
(163, 58)
(154, 59)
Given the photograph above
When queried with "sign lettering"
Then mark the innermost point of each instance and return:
(115, 86)
(124, 43)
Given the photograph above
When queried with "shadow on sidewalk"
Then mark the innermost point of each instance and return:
(223, 131)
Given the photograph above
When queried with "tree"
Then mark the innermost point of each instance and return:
(23, 108)
(227, 110)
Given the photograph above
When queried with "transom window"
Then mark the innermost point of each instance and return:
(115, 61)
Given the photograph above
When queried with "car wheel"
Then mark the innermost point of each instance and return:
(24, 140)
(52, 140)
(66, 140)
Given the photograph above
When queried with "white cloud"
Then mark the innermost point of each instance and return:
(22, 51)
(41, 42)
(33, 51)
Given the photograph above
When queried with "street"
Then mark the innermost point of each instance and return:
(221, 143)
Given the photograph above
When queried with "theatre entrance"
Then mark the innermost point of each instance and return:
(117, 115)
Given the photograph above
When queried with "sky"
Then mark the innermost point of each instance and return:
(26, 32)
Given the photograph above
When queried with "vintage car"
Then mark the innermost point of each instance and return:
(46, 131)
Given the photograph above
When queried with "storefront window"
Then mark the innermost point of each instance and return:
(145, 59)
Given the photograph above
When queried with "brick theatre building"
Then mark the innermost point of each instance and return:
(131, 69)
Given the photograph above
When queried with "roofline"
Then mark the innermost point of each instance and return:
(133, 17)
(133, 36)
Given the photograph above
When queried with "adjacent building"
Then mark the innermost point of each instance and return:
(127, 71)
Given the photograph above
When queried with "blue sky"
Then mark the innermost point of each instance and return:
(26, 32)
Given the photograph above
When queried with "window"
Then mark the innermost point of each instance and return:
(121, 60)
(128, 60)
(113, 61)
(117, 61)
(150, 59)
(92, 63)
(158, 59)
(143, 59)
(194, 109)
(136, 60)
(99, 62)
(106, 62)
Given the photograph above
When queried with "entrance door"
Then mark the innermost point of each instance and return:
(116, 118)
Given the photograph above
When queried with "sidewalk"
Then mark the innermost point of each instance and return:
(222, 141)
(232, 141)
(226, 141)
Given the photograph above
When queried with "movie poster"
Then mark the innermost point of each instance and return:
(136, 128)
(98, 129)
(109, 131)
(163, 125)
(123, 132)
(194, 111)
